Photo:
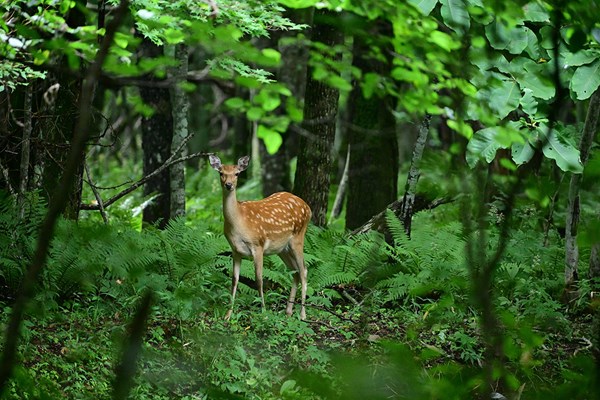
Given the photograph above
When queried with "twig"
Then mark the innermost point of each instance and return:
(96, 194)
(170, 161)
(7, 179)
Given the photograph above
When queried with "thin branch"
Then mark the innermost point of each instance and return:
(170, 161)
(96, 194)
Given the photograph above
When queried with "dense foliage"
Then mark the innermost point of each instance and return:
(493, 290)
(384, 319)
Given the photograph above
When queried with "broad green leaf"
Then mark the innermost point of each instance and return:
(535, 77)
(455, 15)
(298, 3)
(339, 83)
(505, 97)
(272, 54)
(517, 39)
(426, 6)
(564, 153)
(443, 40)
(497, 34)
(267, 99)
(370, 83)
(535, 12)
(270, 137)
(484, 145)
(235, 103)
(254, 113)
(409, 75)
(461, 127)
(586, 80)
(121, 40)
(528, 103)
(174, 36)
(522, 152)
(581, 58)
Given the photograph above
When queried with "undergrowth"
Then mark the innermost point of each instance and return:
(385, 320)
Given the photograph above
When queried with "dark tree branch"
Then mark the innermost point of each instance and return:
(96, 194)
(170, 161)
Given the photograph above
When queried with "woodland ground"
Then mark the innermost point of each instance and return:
(384, 320)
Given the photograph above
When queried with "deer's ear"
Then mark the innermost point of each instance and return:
(215, 162)
(243, 163)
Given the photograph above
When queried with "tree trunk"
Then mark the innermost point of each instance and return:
(587, 140)
(25, 150)
(275, 169)
(373, 171)
(180, 131)
(410, 189)
(320, 109)
(157, 135)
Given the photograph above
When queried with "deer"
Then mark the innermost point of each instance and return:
(274, 225)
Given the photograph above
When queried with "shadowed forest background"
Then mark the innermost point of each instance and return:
(448, 151)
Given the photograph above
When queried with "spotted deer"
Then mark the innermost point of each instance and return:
(274, 225)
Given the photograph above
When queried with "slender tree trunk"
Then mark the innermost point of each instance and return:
(373, 171)
(315, 146)
(180, 107)
(275, 169)
(587, 139)
(336, 209)
(157, 135)
(25, 149)
(410, 189)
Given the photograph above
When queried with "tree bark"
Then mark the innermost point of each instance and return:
(313, 169)
(587, 140)
(373, 171)
(410, 189)
(180, 132)
(275, 169)
(336, 209)
(25, 150)
(157, 135)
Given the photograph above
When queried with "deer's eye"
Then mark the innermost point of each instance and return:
(237, 174)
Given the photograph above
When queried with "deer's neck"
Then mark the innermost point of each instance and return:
(231, 209)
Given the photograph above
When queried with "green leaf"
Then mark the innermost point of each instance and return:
(535, 77)
(254, 113)
(455, 15)
(522, 152)
(535, 12)
(483, 144)
(443, 40)
(268, 100)
(461, 127)
(505, 97)
(298, 3)
(528, 103)
(370, 84)
(235, 103)
(563, 152)
(339, 83)
(581, 58)
(586, 80)
(121, 40)
(497, 34)
(272, 54)
(270, 137)
(174, 36)
(426, 6)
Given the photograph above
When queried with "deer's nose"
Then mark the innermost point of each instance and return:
(229, 186)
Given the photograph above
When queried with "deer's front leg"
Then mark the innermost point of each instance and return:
(258, 268)
(235, 278)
